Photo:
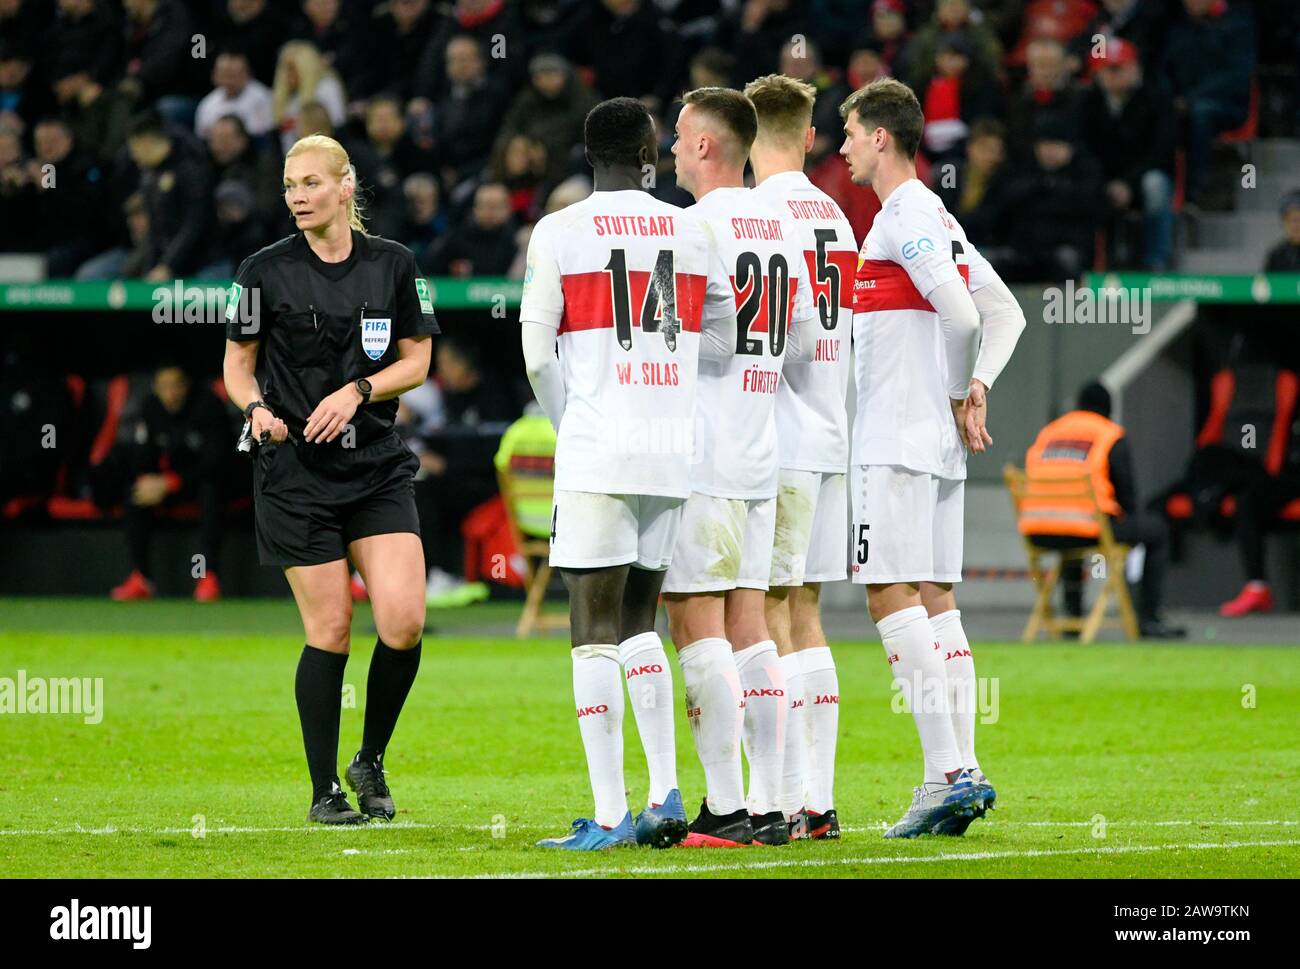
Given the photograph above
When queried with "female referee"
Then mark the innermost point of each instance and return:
(325, 330)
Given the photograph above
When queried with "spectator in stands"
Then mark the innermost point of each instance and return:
(456, 462)
(975, 190)
(953, 97)
(313, 119)
(466, 117)
(159, 68)
(395, 43)
(239, 229)
(711, 67)
(234, 157)
(384, 160)
(87, 36)
(24, 22)
(1285, 256)
(1209, 60)
(301, 75)
(17, 196)
(97, 114)
(551, 109)
(952, 16)
(631, 50)
(521, 168)
(498, 28)
(174, 453)
(1087, 441)
(1051, 206)
(236, 92)
(1138, 170)
(888, 36)
(483, 246)
(21, 99)
(66, 224)
(1063, 20)
(755, 31)
(256, 29)
(1140, 22)
(175, 184)
(1049, 91)
(866, 63)
(320, 22)
(426, 221)
(575, 188)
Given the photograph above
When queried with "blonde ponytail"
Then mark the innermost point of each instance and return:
(340, 166)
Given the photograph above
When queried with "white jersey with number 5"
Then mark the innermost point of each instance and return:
(735, 428)
(903, 416)
(625, 280)
(812, 425)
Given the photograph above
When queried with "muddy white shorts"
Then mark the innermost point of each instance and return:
(810, 543)
(723, 544)
(592, 531)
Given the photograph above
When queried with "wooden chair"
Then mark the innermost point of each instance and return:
(1113, 555)
(526, 478)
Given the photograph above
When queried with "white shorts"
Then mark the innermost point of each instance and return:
(724, 544)
(907, 526)
(811, 514)
(593, 531)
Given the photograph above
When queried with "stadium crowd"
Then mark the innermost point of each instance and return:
(166, 121)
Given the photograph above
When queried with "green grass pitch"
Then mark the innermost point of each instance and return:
(1110, 761)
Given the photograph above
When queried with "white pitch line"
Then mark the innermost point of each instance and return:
(872, 860)
(424, 826)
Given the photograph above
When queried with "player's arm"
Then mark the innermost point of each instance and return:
(1002, 322)
(239, 366)
(540, 312)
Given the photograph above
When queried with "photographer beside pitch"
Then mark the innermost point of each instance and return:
(346, 326)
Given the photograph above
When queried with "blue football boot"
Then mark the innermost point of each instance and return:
(933, 804)
(662, 825)
(587, 835)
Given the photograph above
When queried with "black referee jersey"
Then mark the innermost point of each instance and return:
(323, 325)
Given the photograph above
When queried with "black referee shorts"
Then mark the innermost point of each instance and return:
(309, 506)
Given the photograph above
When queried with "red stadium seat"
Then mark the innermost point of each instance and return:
(1248, 130)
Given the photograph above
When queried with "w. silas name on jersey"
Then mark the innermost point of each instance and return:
(625, 280)
(762, 254)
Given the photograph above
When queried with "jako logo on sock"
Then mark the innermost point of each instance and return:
(827, 698)
(656, 668)
(765, 691)
(583, 711)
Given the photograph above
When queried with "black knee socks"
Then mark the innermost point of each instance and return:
(319, 691)
(392, 671)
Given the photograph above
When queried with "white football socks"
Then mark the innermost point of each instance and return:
(961, 682)
(598, 691)
(821, 690)
(796, 738)
(916, 661)
(713, 708)
(763, 683)
(650, 691)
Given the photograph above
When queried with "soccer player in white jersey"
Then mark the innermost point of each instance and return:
(620, 282)
(810, 546)
(923, 367)
(716, 583)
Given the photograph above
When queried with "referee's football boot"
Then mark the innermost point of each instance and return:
(771, 828)
(587, 835)
(958, 823)
(825, 826)
(333, 808)
(662, 825)
(373, 796)
(711, 830)
(934, 803)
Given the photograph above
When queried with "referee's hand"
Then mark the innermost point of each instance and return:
(332, 415)
(265, 423)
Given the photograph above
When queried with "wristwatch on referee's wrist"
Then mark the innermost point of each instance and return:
(363, 388)
(248, 411)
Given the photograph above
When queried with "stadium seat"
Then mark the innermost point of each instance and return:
(525, 464)
(1043, 617)
(1248, 130)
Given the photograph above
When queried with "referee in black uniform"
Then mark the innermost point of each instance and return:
(327, 328)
